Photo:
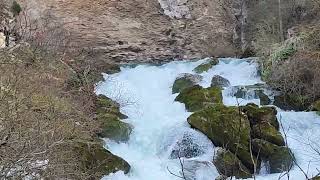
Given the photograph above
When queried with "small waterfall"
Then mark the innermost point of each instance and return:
(161, 134)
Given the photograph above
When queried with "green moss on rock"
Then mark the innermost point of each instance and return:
(197, 98)
(204, 67)
(229, 165)
(225, 127)
(185, 81)
(114, 129)
(260, 115)
(109, 117)
(280, 158)
(105, 105)
(269, 133)
(99, 161)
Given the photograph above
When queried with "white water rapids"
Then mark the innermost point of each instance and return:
(144, 93)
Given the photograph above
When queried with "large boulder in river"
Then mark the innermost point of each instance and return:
(184, 81)
(204, 67)
(219, 81)
(229, 165)
(196, 97)
(226, 127)
(280, 158)
(260, 115)
(98, 160)
(264, 123)
(267, 132)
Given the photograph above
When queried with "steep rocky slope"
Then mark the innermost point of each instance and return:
(143, 30)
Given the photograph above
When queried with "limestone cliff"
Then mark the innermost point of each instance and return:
(143, 30)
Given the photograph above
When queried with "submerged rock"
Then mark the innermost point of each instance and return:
(229, 165)
(204, 67)
(184, 81)
(187, 148)
(196, 97)
(219, 81)
(255, 91)
(226, 127)
(99, 160)
(280, 158)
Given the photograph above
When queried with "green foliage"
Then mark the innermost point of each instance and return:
(16, 8)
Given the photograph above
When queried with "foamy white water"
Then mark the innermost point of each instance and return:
(159, 122)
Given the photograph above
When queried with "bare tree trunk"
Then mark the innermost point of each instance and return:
(280, 23)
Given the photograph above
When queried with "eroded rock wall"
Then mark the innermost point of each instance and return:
(143, 30)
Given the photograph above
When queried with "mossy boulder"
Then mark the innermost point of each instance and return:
(229, 165)
(184, 81)
(261, 115)
(113, 128)
(219, 81)
(316, 178)
(267, 132)
(226, 127)
(105, 105)
(97, 160)
(196, 98)
(109, 117)
(204, 67)
(280, 158)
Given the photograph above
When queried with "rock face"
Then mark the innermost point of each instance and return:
(142, 31)
(204, 67)
(109, 115)
(219, 81)
(196, 97)
(184, 81)
(176, 8)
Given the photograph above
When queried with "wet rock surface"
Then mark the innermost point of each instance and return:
(185, 81)
(219, 81)
(195, 98)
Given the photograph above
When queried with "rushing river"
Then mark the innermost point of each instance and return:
(144, 93)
